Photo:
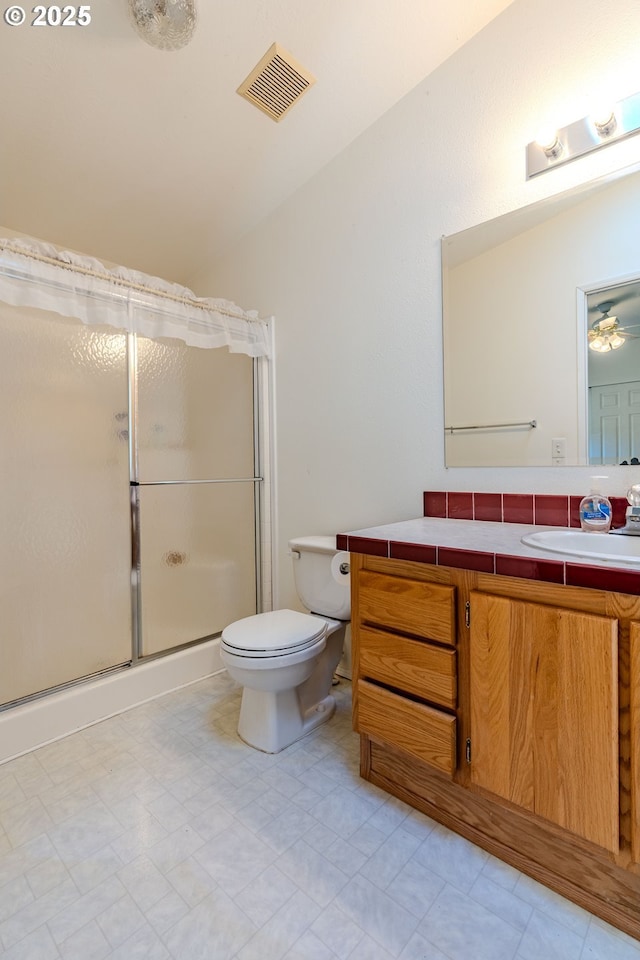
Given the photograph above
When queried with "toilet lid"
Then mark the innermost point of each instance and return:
(274, 633)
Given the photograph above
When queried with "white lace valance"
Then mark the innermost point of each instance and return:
(36, 274)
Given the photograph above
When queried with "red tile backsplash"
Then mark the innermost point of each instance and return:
(435, 503)
(574, 511)
(618, 511)
(487, 506)
(551, 510)
(460, 506)
(517, 507)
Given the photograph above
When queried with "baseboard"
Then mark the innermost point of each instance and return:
(49, 718)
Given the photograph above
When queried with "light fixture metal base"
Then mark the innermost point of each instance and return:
(584, 136)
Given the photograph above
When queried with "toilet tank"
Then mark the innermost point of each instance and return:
(321, 585)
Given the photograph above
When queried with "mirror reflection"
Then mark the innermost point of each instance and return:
(613, 366)
(542, 332)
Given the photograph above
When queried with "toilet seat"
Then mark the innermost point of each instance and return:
(273, 634)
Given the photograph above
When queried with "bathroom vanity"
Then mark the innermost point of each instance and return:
(496, 688)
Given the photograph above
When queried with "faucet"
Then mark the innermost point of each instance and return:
(632, 521)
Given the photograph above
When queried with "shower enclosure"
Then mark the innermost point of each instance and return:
(129, 512)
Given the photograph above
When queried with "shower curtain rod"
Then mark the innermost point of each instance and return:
(129, 284)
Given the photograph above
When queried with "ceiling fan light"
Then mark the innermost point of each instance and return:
(607, 324)
(603, 334)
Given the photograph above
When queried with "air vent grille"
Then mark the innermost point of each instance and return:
(276, 83)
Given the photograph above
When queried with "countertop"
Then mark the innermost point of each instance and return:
(488, 547)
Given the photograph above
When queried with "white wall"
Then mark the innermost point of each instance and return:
(350, 266)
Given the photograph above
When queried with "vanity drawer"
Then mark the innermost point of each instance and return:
(413, 606)
(425, 733)
(419, 668)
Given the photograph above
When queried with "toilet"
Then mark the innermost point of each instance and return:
(285, 660)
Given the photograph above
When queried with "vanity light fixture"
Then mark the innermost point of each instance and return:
(548, 142)
(605, 122)
(609, 125)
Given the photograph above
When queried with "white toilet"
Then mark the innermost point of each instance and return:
(285, 660)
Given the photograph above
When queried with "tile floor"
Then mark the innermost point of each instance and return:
(158, 834)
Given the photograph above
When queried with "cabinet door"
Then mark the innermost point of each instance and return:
(544, 712)
(635, 740)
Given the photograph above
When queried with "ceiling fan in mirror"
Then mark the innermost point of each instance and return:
(606, 333)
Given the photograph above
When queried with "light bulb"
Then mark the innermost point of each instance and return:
(616, 341)
(548, 142)
(603, 117)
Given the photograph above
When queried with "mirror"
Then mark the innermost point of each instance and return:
(520, 294)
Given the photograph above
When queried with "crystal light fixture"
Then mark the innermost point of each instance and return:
(165, 24)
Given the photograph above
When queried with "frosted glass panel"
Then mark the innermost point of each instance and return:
(64, 519)
(195, 412)
(197, 560)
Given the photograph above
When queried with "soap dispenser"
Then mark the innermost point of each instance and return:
(595, 509)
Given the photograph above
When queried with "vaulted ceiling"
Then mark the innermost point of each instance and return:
(151, 159)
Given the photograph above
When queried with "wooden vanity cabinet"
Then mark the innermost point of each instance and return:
(406, 684)
(544, 712)
(509, 711)
(634, 737)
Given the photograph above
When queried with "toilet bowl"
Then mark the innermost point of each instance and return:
(284, 659)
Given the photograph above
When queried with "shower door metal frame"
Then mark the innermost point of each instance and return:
(259, 369)
(135, 484)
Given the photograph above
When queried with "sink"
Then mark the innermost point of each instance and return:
(623, 550)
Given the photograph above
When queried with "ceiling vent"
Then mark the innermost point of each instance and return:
(276, 83)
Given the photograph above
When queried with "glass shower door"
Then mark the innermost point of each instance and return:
(65, 549)
(194, 431)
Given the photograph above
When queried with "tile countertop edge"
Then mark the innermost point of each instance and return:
(488, 547)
